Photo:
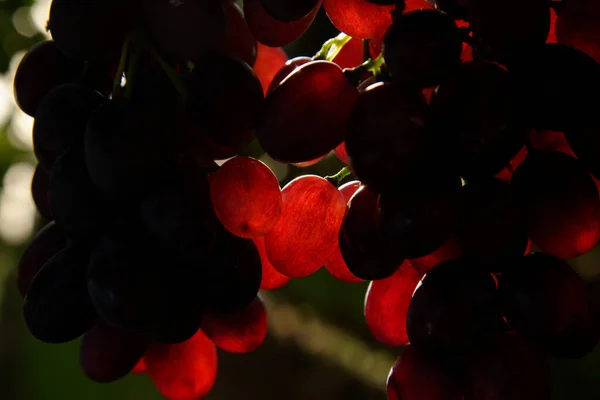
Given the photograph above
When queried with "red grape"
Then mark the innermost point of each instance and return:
(367, 254)
(271, 278)
(507, 172)
(549, 305)
(246, 197)
(40, 192)
(140, 367)
(238, 332)
(269, 61)
(507, 367)
(551, 141)
(239, 40)
(417, 377)
(351, 55)
(305, 116)
(271, 32)
(561, 203)
(341, 154)
(386, 305)
(336, 264)
(359, 18)
(285, 71)
(184, 371)
(450, 250)
(552, 34)
(42, 69)
(577, 26)
(45, 244)
(107, 354)
(305, 236)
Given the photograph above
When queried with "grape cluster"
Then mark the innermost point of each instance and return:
(470, 130)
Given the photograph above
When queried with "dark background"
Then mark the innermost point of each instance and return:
(318, 345)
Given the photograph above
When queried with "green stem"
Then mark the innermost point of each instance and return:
(122, 64)
(371, 65)
(339, 177)
(332, 47)
(175, 80)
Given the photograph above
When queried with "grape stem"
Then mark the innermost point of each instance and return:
(175, 80)
(372, 65)
(339, 177)
(366, 50)
(332, 47)
(122, 64)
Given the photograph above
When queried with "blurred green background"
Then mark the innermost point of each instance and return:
(318, 346)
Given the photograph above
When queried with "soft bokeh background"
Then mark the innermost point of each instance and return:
(318, 346)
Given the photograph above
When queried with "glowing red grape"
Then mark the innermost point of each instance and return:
(140, 367)
(341, 154)
(359, 18)
(386, 305)
(450, 250)
(351, 55)
(271, 32)
(271, 278)
(577, 26)
(184, 371)
(306, 234)
(238, 332)
(285, 71)
(246, 197)
(269, 60)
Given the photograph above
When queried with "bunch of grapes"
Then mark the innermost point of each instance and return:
(470, 130)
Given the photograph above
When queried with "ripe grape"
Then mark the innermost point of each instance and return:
(179, 28)
(422, 47)
(285, 71)
(242, 331)
(351, 55)
(450, 250)
(269, 61)
(239, 41)
(271, 278)
(386, 305)
(492, 225)
(107, 354)
(305, 236)
(341, 153)
(336, 264)
(367, 254)
(40, 192)
(548, 304)
(561, 203)
(360, 19)
(583, 142)
(183, 371)
(288, 10)
(554, 83)
(77, 205)
(140, 367)
(60, 121)
(455, 306)
(576, 26)
(477, 122)
(246, 197)
(45, 244)
(510, 27)
(271, 32)
(80, 28)
(42, 69)
(218, 84)
(387, 135)
(57, 305)
(507, 367)
(311, 107)
(414, 376)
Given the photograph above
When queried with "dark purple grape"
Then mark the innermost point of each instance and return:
(455, 307)
(40, 192)
(77, 205)
(137, 286)
(387, 135)
(60, 121)
(476, 122)
(57, 306)
(44, 245)
(492, 224)
(219, 85)
(90, 29)
(42, 69)
(507, 367)
(561, 203)
(107, 354)
(366, 252)
(548, 304)
(288, 10)
(184, 30)
(422, 47)
(554, 85)
(585, 143)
